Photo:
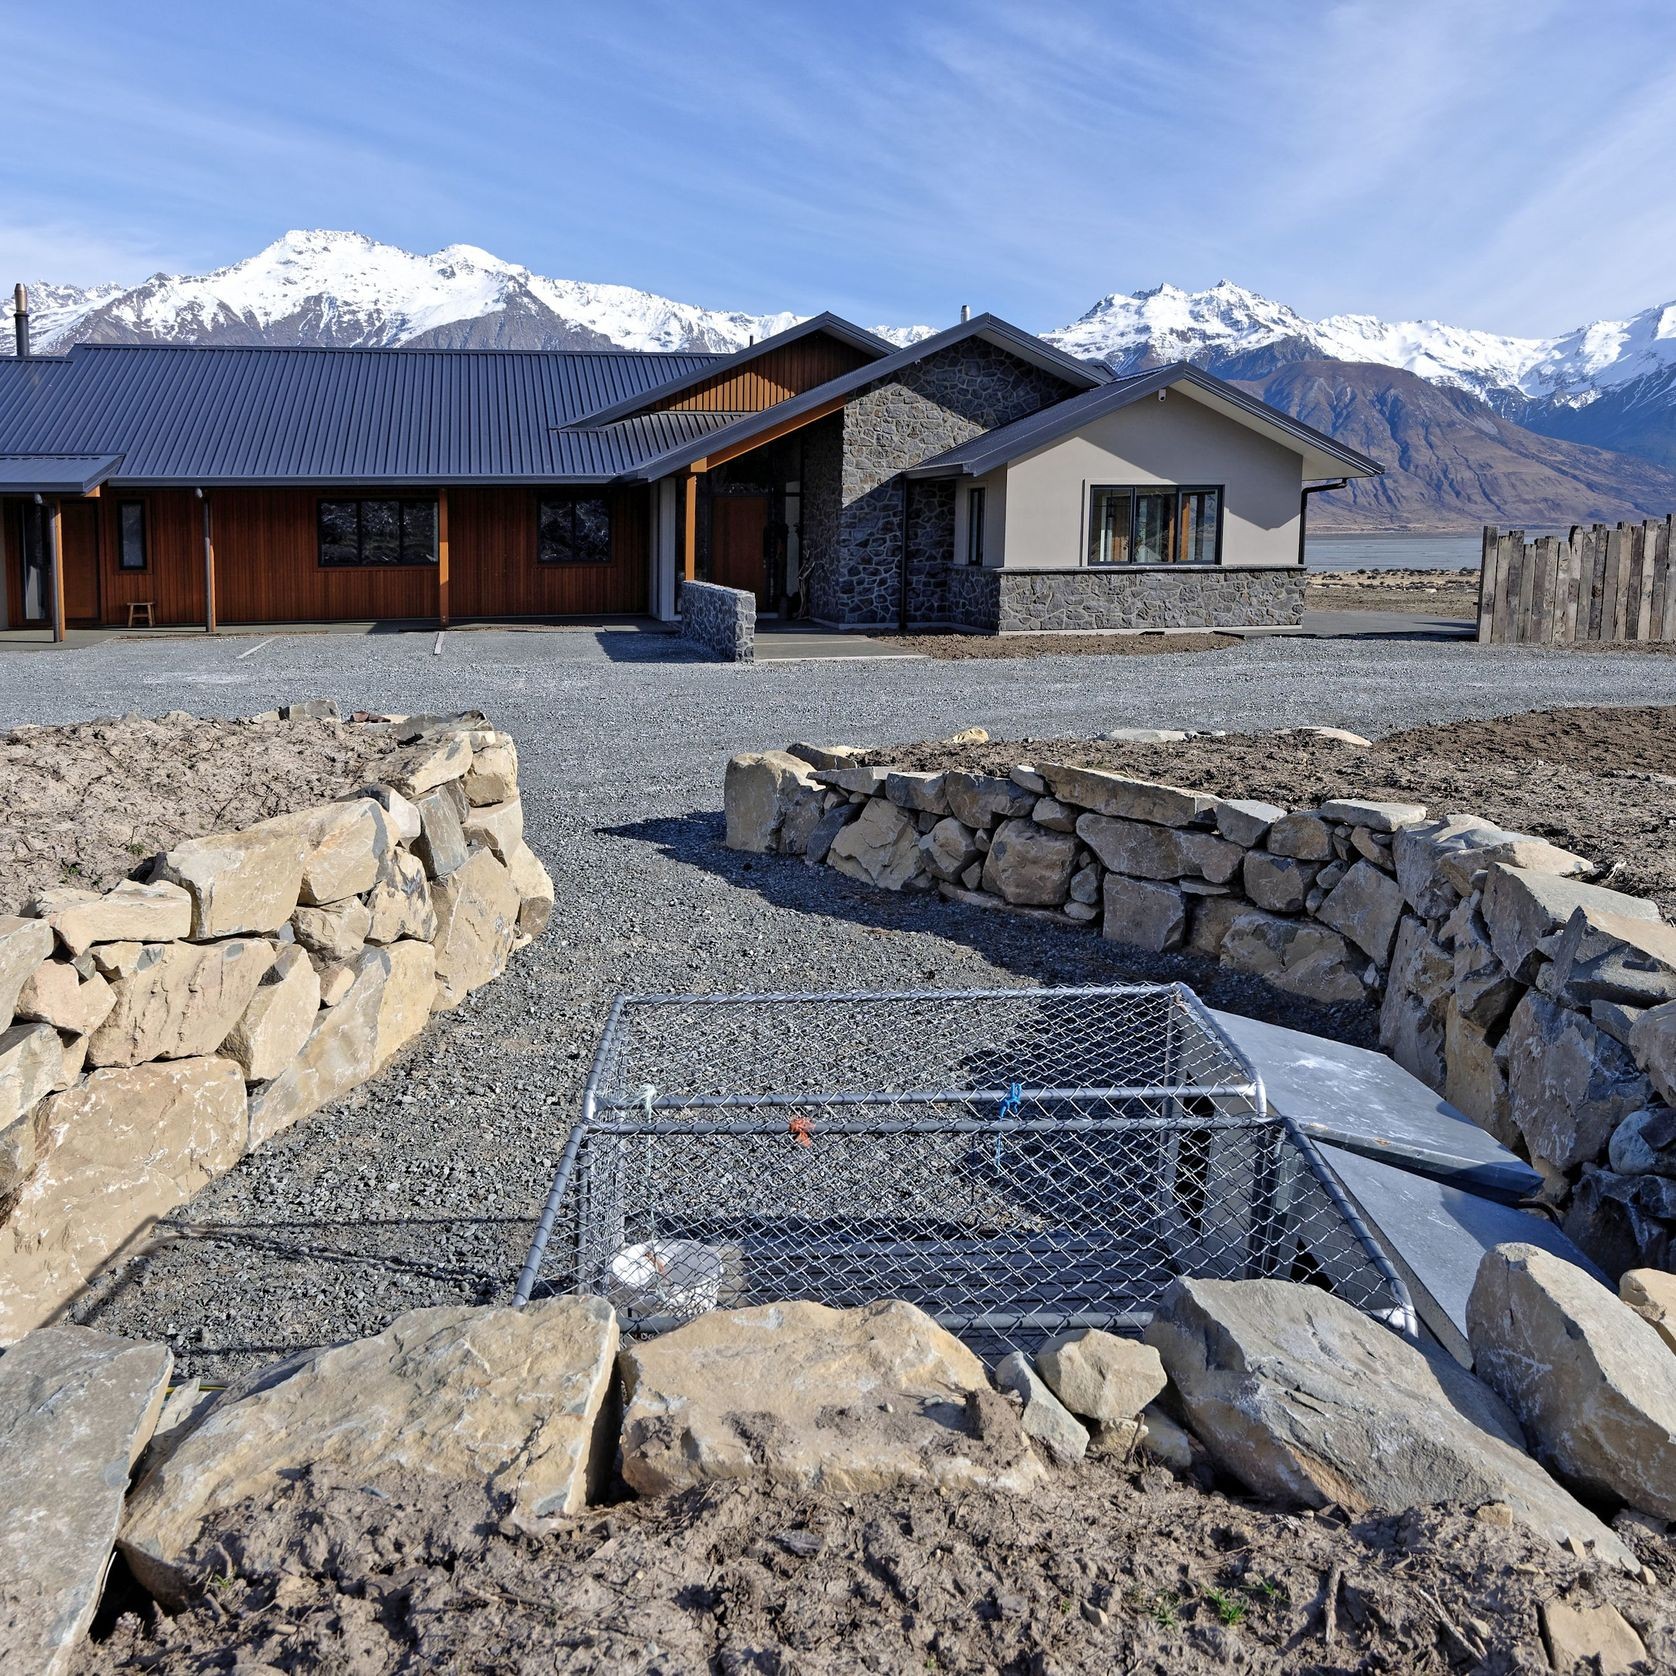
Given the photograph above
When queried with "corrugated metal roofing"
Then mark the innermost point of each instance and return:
(188, 415)
(54, 474)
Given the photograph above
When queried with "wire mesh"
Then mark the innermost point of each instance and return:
(1015, 1162)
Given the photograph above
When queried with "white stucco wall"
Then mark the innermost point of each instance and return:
(666, 511)
(994, 515)
(1043, 506)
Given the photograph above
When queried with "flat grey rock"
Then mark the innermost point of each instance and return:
(76, 1408)
(1437, 1235)
(1370, 1104)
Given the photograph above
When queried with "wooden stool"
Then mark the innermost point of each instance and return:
(135, 607)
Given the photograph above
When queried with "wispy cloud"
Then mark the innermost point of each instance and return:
(1498, 162)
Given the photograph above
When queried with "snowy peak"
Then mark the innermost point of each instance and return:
(1215, 325)
(345, 289)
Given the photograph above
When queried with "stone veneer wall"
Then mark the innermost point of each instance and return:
(854, 550)
(1017, 601)
(721, 620)
(152, 1034)
(1542, 1006)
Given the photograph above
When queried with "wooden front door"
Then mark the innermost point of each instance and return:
(738, 525)
(80, 534)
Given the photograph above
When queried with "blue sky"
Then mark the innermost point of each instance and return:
(1506, 164)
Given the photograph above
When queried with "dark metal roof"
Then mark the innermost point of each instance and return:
(190, 415)
(990, 449)
(1083, 374)
(832, 325)
(54, 474)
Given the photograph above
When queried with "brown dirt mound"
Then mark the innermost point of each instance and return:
(1598, 781)
(1105, 1569)
(87, 804)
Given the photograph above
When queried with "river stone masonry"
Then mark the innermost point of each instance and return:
(154, 1033)
(1541, 1005)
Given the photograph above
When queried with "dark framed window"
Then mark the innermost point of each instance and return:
(375, 533)
(573, 529)
(974, 526)
(130, 535)
(1152, 523)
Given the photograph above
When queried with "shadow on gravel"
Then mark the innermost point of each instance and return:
(1030, 949)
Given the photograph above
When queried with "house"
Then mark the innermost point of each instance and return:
(978, 478)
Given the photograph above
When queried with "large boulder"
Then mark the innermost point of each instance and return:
(1651, 1293)
(1365, 905)
(1047, 1422)
(1028, 866)
(1413, 1017)
(800, 1396)
(31, 1068)
(1295, 955)
(175, 1000)
(1569, 1084)
(336, 932)
(1278, 883)
(477, 908)
(240, 882)
(1145, 915)
(60, 996)
(1522, 910)
(346, 844)
(1100, 1376)
(1307, 1401)
(1143, 851)
(1652, 1041)
(500, 826)
(1613, 957)
(130, 912)
(278, 1019)
(126, 1146)
(76, 1409)
(24, 944)
(759, 790)
(493, 775)
(1591, 1382)
(534, 886)
(980, 800)
(400, 905)
(441, 844)
(390, 996)
(1135, 800)
(879, 847)
(950, 848)
(502, 1404)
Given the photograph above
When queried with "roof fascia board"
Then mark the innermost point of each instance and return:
(433, 481)
(1059, 421)
(988, 326)
(831, 324)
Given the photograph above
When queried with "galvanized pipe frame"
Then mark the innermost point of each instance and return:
(1182, 997)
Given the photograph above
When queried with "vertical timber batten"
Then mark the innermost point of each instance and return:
(55, 557)
(209, 565)
(689, 526)
(442, 557)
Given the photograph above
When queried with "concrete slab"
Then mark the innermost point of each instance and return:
(1387, 625)
(1364, 1101)
(1436, 1235)
(788, 645)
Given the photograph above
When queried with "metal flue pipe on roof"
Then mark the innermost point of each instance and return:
(965, 312)
(20, 319)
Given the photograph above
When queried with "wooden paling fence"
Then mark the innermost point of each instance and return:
(1604, 582)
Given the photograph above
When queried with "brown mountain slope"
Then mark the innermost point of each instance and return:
(1451, 463)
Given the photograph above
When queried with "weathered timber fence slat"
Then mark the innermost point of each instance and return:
(1600, 583)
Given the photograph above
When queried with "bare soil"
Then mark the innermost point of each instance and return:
(1601, 782)
(950, 644)
(1431, 593)
(1108, 1568)
(90, 804)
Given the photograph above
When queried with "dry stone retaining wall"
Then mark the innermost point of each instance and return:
(1541, 1005)
(152, 1034)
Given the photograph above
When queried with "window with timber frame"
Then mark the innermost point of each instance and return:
(373, 533)
(1154, 523)
(573, 529)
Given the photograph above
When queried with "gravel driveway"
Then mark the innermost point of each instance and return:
(421, 1188)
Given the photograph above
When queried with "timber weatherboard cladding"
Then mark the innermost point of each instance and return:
(771, 378)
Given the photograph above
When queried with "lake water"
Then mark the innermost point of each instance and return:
(1393, 552)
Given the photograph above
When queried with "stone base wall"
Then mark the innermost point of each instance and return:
(152, 1034)
(992, 601)
(1541, 1006)
(721, 620)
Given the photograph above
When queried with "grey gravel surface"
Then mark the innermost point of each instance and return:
(422, 1188)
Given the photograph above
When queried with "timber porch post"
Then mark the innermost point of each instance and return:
(209, 566)
(442, 557)
(55, 557)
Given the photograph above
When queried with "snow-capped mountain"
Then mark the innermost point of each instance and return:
(1225, 321)
(345, 289)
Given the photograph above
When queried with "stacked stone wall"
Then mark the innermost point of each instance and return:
(152, 1034)
(1540, 1005)
(721, 620)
